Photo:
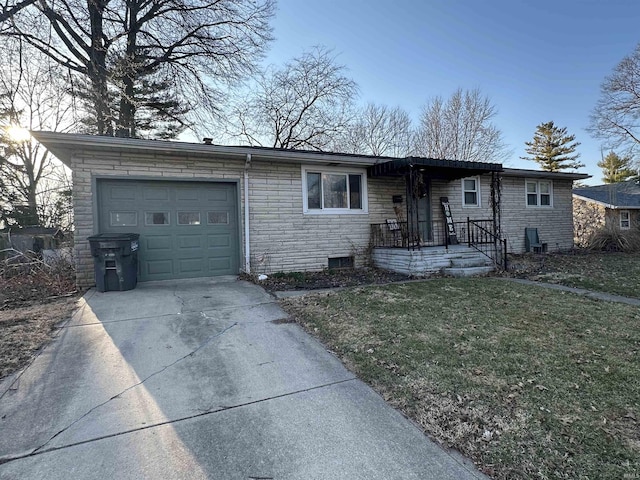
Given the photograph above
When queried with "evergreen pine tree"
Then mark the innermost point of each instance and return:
(553, 149)
(616, 168)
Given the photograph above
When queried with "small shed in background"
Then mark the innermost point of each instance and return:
(30, 239)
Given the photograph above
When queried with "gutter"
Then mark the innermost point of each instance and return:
(63, 146)
(247, 243)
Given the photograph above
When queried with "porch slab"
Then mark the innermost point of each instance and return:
(425, 261)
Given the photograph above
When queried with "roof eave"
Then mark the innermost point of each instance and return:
(64, 147)
(521, 172)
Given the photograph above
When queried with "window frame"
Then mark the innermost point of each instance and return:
(346, 171)
(477, 191)
(178, 223)
(133, 212)
(538, 193)
(627, 220)
(218, 223)
(168, 213)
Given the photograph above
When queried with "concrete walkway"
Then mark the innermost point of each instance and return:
(202, 379)
(608, 297)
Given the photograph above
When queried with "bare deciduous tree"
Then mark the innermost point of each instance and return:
(33, 94)
(181, 48)
(460, 128)
(305, 104)
(9, 8)
(615, 118)
(378, 130)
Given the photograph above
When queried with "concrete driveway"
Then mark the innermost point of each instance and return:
(202, 379)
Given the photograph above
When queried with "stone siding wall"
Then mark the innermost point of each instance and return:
(588, 218)
(554, 224)
(282, 238)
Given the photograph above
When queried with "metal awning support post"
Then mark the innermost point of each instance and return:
(500, 246)
(413, 218)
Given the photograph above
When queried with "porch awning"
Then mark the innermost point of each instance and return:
(434, 168)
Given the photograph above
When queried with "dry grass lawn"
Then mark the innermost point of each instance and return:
(27, 328)
(528, 382)
(611, 272)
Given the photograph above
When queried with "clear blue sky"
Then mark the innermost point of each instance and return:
(537, 60)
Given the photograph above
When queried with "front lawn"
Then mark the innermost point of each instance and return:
(611, 272)
(528, 382)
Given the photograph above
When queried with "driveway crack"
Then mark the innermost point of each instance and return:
(180, 299)
(131, 387)
(220, 408)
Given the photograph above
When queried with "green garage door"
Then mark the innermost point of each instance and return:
(187, 229)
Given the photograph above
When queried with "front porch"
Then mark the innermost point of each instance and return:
(472, 249)
(427, 234)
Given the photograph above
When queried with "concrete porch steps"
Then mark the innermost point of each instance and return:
(456, 260)
(475, 260)
(468, 271)
(472, 264)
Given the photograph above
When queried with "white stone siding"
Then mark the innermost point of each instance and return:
(285, 239)
(554, 224)
(453, 191)
(282, 237)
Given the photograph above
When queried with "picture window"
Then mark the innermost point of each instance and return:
(334, 191)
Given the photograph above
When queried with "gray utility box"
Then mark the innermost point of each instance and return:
(115, 258)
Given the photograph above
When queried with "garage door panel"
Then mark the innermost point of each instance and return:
(218, 241)
(190, 265)
(155, 193)
(189, 195)
(157, 267)
(158, 242)
(187, 229)
(221, 195)
(122, 193)
(190, 241)
(221, 264)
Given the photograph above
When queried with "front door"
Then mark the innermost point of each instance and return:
(424, 215)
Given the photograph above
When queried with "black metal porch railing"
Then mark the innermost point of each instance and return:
(481, 235)
(477, 234)
(423, 234)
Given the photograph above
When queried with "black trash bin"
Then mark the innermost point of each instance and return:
(115, 257)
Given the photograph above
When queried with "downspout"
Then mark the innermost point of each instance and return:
(247, 248)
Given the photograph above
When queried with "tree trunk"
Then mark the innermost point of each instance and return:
(97, 68)
(126, 120)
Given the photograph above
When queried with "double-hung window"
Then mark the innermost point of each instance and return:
(625, 220)
(539, 193)
(333, 191)
(471, 192)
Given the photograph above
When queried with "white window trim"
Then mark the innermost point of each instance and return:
(538, 194)
(335, 211)
(628, 219)
(477, 190)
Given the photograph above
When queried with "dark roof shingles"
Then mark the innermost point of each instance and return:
(623, 194)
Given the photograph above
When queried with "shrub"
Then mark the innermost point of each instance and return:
(611, 239)
(26, 277)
